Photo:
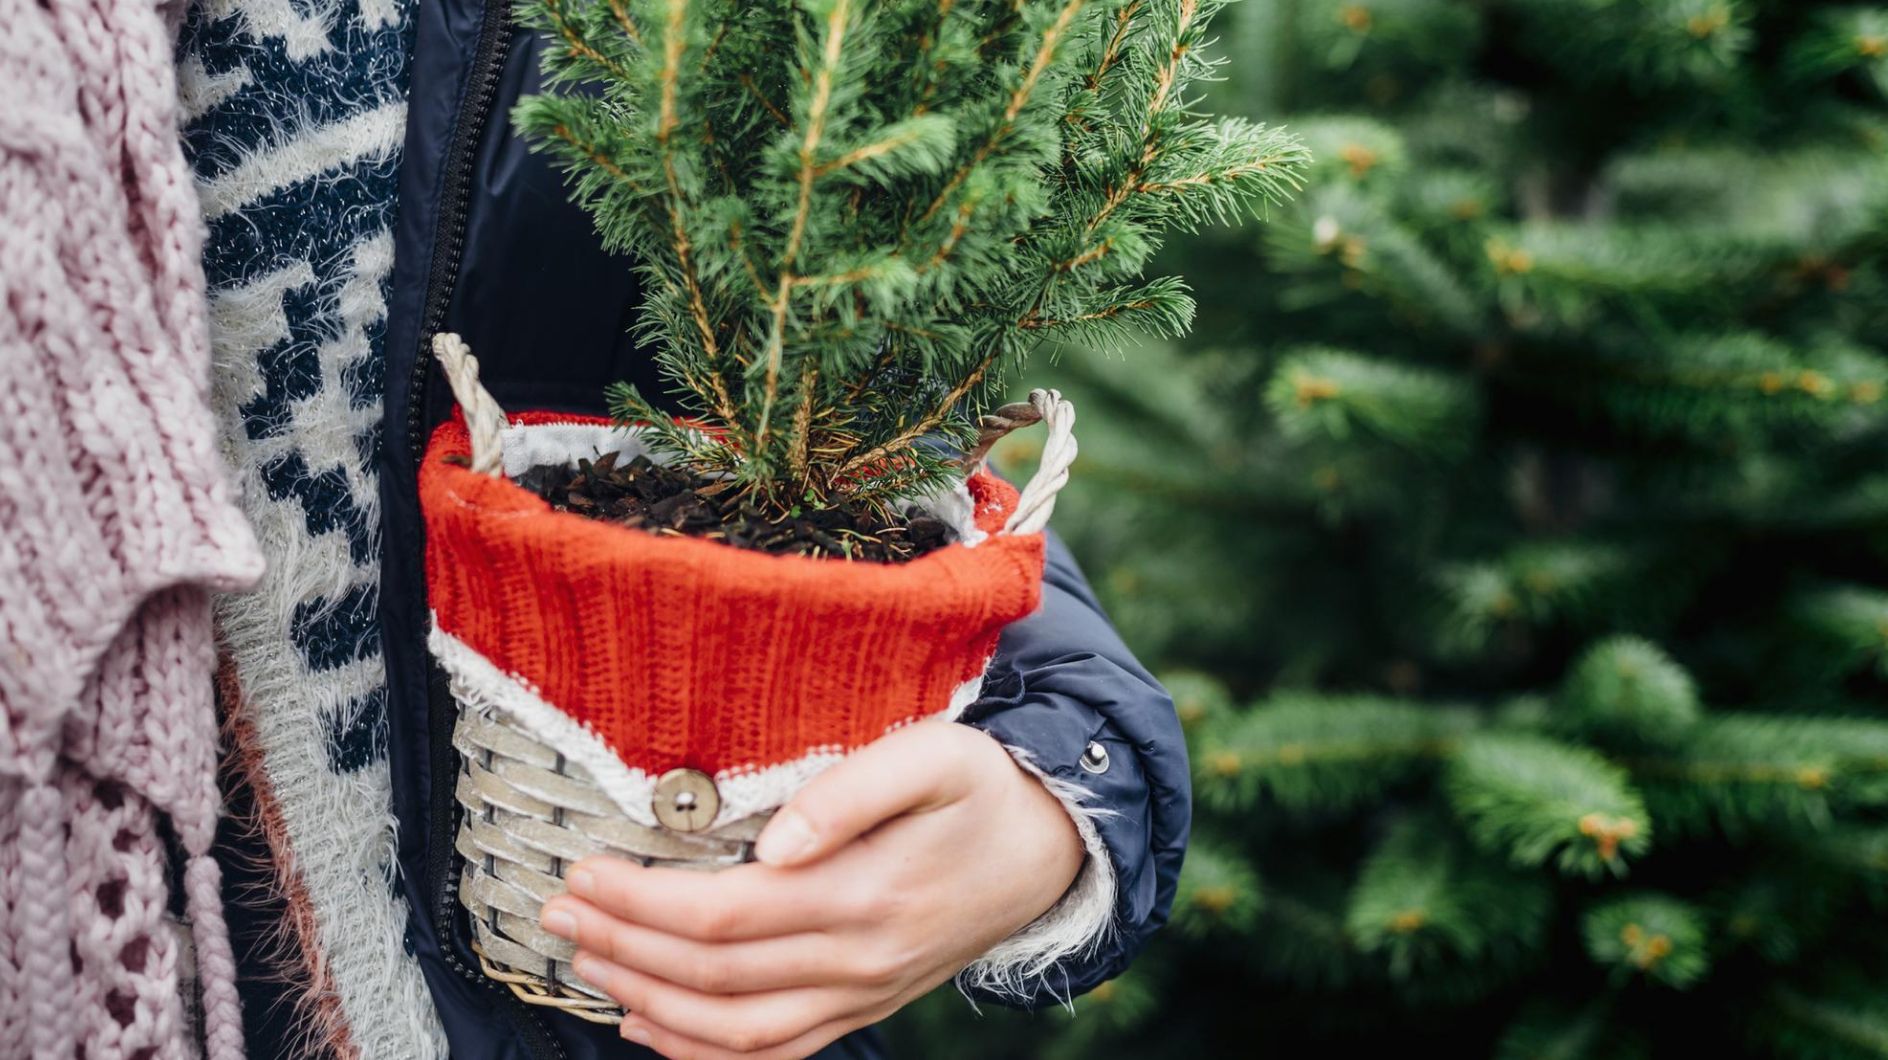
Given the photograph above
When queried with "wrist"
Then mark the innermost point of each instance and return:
(1045, 822)
(1075, 908)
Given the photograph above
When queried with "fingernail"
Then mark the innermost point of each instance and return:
(583, 964)
(560, 923)
(580, 882)
(786, 838)
(636, 1032)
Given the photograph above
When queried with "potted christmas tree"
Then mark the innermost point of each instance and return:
(851, 218)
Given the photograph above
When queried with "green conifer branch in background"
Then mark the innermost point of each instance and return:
(1846, 1021)
(1627, 690)
(1537, 801)
(1526, 469)
(1426, 904)
(1218, 894)
(851, 217)
(1589, 1032)
(1319, 751)
(1648, 934)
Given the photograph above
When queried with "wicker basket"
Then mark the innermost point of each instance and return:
(541, 790)
(528, 815)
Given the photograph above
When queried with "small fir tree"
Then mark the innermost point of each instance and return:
(852, 215)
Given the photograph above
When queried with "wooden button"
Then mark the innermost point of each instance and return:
(685, 800)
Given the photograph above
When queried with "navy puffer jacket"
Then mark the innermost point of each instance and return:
(488, 245)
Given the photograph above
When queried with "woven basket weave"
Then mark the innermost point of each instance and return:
(528, 815)
(530, 810)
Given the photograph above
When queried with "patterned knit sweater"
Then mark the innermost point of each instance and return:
(294, 114)
(115, 525)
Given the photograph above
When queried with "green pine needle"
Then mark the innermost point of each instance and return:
(1329, 394)
(1627, 689)
(1739, 771)
(1648, 935)
(1219, 894)
(1327, 752)
(1430, 907)
(1536, 801)
(1816, 1022)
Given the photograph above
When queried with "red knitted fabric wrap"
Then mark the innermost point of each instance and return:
(679, 651)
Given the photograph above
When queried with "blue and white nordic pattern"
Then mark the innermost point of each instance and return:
(295, 111)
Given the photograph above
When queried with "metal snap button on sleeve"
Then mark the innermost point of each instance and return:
(685, 800)
(1095, 758)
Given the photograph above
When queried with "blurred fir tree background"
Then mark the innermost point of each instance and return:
(1512, 533)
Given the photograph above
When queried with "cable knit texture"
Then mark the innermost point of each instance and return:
(115, 524)
(678, 651)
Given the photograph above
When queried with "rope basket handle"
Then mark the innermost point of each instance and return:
(1037, 503)
(483, 418)
(486, 421)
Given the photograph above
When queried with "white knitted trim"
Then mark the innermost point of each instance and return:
(529, 445)
(745, 790)
(1077, 924)
(339, 825)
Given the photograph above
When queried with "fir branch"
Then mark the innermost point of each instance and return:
(738, 243)
(708, 53)
(1742, 770)
(1230, 175)
(809, 147)
(1166, 76)
(1650, 935)
(596, 156)
(574, 41)
(1844, 1024)
(1626, 690)
(1324, 751)
(1108, 313)
(1218, 894)
(673, 46)
(1538, 800)
(1019, 98)
(927, 43)
(1111, 54)
(803, 423)
(931, 420)
(773, 109)
(815, 130)
(620, 11)
(1430, 906)
(909, 473)
(1549, 1031)
(900, 138)
(960, 224)
(864, 382)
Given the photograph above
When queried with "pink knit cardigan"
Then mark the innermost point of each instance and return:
(115, 525)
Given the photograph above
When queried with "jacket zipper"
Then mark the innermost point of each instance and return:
(448, 253)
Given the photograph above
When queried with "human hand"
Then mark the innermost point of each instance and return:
(882, 878)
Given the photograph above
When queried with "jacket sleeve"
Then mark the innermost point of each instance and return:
(1074, 707)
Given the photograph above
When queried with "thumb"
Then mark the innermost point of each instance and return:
(904, 771)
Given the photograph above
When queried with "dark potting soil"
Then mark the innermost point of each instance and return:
(663, 500)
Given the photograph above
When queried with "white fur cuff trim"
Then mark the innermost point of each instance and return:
(1080, 921)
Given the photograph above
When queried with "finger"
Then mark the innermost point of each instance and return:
(682, 1047)
(915, 768)
(776, 963)
(742, 902)
(742, 1024)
